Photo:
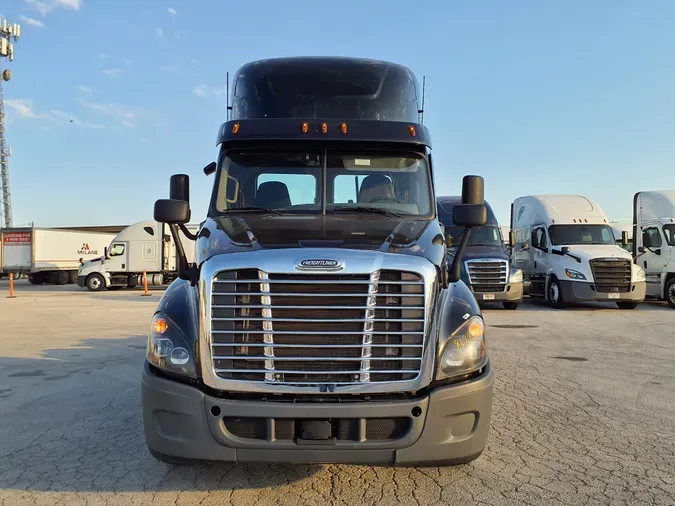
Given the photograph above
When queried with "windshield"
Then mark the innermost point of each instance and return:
(292, 182)
(669, 232)
(480, 236)
(581, 234)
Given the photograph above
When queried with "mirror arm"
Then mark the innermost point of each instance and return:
(186, 271)
(456, 268)
(187, 233)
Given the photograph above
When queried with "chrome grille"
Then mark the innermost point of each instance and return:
(611, 274)
(487, 275)
(317, 328)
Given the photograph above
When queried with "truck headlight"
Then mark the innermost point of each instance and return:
(639, 274)
(168, 349)
(572, 274)
(516, 276)
(464, 351)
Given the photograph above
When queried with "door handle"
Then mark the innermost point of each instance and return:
(645, 262)
(535, 264)
(124, 266)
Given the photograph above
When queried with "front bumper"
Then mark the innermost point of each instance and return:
(81, 281)
(451, 426)
(579, 291)
(513, 293)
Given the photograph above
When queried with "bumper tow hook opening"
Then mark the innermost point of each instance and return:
(416, 411)
(215, 410)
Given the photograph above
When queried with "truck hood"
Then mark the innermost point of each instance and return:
(471, 252)
(372, 232)
(590, 251)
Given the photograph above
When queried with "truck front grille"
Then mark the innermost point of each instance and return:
(486, 275)
(611, 274)
(317, 328)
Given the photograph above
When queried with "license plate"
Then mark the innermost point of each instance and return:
(488, 296)
(613, 295)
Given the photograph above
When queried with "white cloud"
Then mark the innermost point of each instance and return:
(44, 7)
(22, 107)
(126, 116)
(64, 117)
(172, 11)
(112, 72)
(83, 89)
(159, 32)
(32, 21)
(208, 91)
(128, 124)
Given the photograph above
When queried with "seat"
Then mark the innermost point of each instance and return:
(375, 187)
(273, 195)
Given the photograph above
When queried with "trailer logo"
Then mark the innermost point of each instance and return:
(86, 250)
(320, 264)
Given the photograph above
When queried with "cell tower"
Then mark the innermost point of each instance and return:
(8, 33)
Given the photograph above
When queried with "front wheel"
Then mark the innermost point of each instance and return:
(627, 305)
(554, 295)
(670, 292)
(510, 305)
(95, 282)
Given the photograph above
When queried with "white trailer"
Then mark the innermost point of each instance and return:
(568, 253)
(654, 241)
(48, 255)
(147, 247)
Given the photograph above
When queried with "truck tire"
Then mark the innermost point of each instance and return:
(36, 279)
(72, 277)
(670, 292)
(61, 278)
(624, 304)
(554, 295)
(95, 282)
(510, 305)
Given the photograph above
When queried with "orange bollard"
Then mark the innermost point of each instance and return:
(145, 284)
(11, 286)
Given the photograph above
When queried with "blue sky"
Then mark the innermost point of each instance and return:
(537, 97)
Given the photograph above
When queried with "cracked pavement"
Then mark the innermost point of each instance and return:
(583, 413)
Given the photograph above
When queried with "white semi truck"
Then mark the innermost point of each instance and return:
(48, 255)
(654, 241)
(147, 247)
(568, 253)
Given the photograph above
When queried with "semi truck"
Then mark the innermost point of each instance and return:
(487, 268)
(320, 321)
(654, 241)
(146, 248)
(48, 255)
(568, 253)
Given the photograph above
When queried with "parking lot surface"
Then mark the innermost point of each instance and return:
(584, 413)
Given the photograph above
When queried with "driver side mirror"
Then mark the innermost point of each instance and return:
(512, 238)
(624, 238)
(469, 214)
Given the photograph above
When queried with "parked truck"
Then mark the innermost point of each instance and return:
(654, 241)
(486, 268)
(319, 321)
(568, 253)
(48, 255)
(146, 248)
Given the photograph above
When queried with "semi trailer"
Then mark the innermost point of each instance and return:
(568, 253)
(144, 248)
(319, 321)
(48, 255)
(654, 241)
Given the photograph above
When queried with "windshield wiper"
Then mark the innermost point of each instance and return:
(369, 210)
(255, 209)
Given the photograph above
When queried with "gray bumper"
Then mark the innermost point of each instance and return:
(513, 293)
(451, 426)
(576, 291)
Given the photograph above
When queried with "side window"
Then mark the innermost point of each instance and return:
(116, 250)
(539, 238)
(651, 238)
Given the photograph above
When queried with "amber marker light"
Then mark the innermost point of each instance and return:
(235, 128)
(305, 128)
(343, 128)
(412, 131)
(159, 326)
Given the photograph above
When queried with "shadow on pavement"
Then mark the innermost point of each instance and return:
(71, 421)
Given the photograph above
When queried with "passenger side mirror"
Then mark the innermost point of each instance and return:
(470, 213)
(512, 238)
(565, 250)
(210, 168)
(172, 211)
(624, 238)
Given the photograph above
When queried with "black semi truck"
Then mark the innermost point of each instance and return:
(320, 321)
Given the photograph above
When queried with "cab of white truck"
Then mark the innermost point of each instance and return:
(654, 241)
(568, 253)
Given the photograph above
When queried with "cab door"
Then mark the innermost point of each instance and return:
(650, 257)
(118, 257)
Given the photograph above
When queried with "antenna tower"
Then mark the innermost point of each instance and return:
(8, 33)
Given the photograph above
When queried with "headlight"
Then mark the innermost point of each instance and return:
(464, 351)
(168, 349)
(639, 274)
(572, 274)
(516, 276)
